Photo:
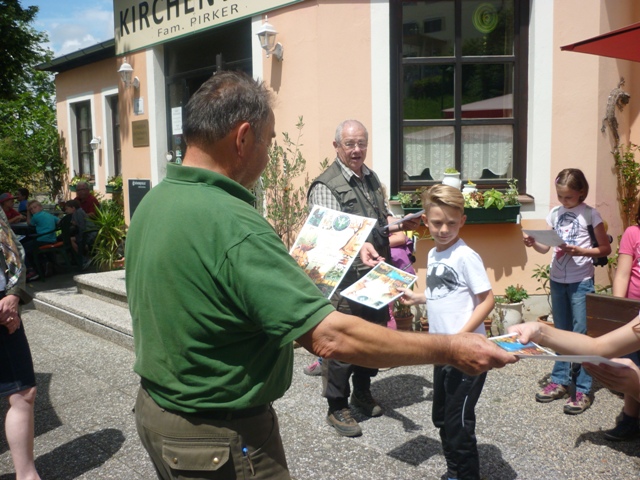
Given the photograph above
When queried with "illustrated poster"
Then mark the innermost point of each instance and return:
(327, 245)
(380, 286)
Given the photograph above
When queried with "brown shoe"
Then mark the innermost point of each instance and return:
(366, 403)
(344, 423)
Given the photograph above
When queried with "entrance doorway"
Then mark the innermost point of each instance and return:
(190, 61)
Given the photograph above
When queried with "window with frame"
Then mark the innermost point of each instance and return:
(460, 90)
(84, 134)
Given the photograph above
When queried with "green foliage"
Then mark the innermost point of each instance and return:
(284, 204)
(108, 246)
(541, 274)
(513, 294)
(20, 47)
(411, 199)
(628, 176)
(493, 198)
(115, 182)
(80, 178)
(451, 170)
(29, 143)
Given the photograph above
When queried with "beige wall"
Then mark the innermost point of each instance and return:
(328, 75)
(325, 75)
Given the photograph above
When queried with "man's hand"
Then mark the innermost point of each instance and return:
(9, 317)
(474, 354)
(369, 256)
(621, 379)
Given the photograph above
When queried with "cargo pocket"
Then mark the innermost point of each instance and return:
(196, 456)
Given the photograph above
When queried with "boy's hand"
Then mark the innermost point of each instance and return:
(529, 241)
(527, 332)
(409, 297)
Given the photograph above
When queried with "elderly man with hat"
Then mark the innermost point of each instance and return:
(7, 201)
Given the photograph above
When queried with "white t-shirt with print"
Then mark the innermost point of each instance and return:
(571, 226)
(455, 277)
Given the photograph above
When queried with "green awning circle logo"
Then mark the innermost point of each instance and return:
(485, 18)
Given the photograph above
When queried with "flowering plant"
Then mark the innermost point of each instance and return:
(115, 181)
(493, 198)
(80, 178)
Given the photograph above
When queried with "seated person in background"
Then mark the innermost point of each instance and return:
(86, 231)
(87, 201)
(7, 202)
(45, 225)
(23, 200)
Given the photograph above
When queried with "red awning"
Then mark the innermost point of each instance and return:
(623, 43)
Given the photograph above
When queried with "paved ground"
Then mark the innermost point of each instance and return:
(85, 428)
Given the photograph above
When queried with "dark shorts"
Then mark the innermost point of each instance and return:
(16, 365)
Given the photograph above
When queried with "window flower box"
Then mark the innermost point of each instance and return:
(507, 214)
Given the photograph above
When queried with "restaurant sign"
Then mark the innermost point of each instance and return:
(142, 23)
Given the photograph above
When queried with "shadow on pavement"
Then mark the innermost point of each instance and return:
(81, 455)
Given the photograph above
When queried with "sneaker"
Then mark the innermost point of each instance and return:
(365, 402)
(314, 370)
(551, 392)
(626, 429)
(344, 423)
(580, 405)
(32, 275)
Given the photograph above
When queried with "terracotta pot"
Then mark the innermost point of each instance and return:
(404, 323)
(545, 319)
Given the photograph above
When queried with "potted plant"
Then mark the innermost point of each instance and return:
(509, 308)
(114, 184)
(80, 178)
(411, 201)
(452, 178)
(541, 274)
(108, 247)
(403, 315)
(493, 206)
(469, 187)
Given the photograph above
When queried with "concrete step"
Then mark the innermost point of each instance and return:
(90, 313)
(106, 286)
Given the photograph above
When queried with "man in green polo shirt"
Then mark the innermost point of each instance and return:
(217, 303)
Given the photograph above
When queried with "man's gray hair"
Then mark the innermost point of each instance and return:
(345, 123)
(225, 100)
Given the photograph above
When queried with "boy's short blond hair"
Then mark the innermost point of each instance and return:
(442, 195)
(33, 202)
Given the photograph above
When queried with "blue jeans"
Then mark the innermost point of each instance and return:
(569, 306)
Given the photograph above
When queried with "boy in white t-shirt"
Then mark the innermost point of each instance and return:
(458, 298)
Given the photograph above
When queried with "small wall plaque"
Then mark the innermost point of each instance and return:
(140, 133)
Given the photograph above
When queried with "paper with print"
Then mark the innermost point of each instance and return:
(380, 286)
(327, 245)
(546, 237)
(511, 344)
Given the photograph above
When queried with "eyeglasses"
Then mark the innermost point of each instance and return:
(353, 145)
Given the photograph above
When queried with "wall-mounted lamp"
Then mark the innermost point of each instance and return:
(126, 72)
(267, 35)
(95, 143)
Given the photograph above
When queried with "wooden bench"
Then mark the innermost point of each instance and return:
(606, 313)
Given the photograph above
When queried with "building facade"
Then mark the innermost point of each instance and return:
(480, 86)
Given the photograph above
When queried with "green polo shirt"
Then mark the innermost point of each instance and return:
(215, 297)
